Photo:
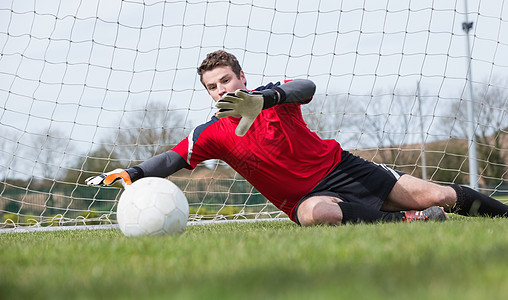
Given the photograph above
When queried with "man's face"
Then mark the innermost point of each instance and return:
(222, 80)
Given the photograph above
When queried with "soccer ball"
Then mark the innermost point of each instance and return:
(152, 206)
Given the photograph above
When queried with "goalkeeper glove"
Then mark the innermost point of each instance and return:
(246, 104)
(109, 178)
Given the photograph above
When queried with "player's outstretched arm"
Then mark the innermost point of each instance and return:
(161, 165)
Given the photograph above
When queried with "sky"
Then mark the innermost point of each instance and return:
(81, 68)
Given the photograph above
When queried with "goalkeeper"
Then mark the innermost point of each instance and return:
(262, 135)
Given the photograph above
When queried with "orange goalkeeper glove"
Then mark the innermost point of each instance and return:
(109, 178)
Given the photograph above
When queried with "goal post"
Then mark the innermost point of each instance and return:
(89, 86)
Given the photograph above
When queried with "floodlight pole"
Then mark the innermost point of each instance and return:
(423, 154)
(473, 162)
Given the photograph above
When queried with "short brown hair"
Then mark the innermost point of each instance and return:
(219, 58)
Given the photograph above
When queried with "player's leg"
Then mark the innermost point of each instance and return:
(413, 193)
(364, 186)
(472, 203)
(410, 192)
(327, 210)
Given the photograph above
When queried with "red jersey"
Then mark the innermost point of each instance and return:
(279, 155)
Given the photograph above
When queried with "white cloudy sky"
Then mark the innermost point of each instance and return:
(78, 66)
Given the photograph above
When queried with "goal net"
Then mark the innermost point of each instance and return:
(90, 86)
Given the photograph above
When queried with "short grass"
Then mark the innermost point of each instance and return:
(462, 258)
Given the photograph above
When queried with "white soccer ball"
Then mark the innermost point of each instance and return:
(152, 206)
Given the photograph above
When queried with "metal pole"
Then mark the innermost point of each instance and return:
(473, 161)
(423, 154)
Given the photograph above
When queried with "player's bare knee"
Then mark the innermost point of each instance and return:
(320, 210)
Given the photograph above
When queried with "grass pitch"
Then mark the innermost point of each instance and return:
(462, 258)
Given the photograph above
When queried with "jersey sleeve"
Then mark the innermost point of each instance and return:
(182, 149)
(199, 145)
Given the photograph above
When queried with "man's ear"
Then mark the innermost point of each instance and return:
(242, 77)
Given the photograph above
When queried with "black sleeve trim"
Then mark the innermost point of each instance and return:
(282, 95)
(270, 98)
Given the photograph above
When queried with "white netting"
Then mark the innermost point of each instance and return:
(88, 86)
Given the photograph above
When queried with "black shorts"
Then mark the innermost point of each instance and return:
(356, 180)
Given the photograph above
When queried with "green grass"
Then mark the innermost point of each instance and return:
(462, 258)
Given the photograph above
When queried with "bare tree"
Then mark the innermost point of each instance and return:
(333, 117)
(383, 121)
(491, 128)
(8, 144)
(492, 134)
(142, 134)
(148, 132)
(51, 147)
(38, 155)
(490, 111)
(390, 122)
